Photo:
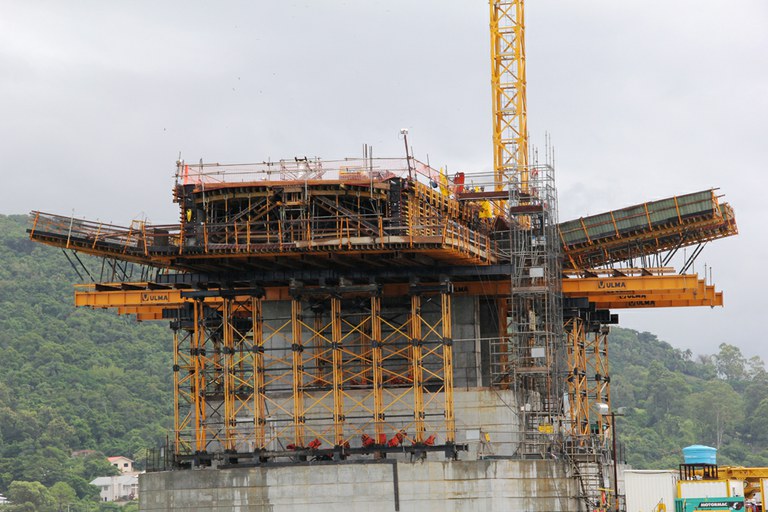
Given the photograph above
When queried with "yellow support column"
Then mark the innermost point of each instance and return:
(298, 374)
(197, 351)
(257, 351)
(450, 421)
(577, 379)
(176, 392)
(600, 391)
(378, 374)
(227, 373)
(417, 369)
(338, 373)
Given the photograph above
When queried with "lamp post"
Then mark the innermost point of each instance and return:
(603, 411)
(615, 463)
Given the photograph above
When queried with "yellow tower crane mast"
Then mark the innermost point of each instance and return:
(508, 82)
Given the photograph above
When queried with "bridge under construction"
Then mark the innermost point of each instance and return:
(333, 310)
(381, 315)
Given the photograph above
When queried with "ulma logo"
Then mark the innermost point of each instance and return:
(611, 284)
(154, 297)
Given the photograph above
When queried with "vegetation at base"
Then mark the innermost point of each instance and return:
(70, 380)
(76, 379)
(674, 399)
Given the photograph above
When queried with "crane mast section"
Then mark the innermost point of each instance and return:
(508, 84)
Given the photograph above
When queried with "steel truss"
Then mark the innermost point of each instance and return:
(338, 370)
(588, 382)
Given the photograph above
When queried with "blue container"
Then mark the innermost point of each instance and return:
(699, 454)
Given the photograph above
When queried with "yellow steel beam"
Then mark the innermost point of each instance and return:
(631, 291)
(669, 283)
(575, 287)
(682, 303)
(708, 294)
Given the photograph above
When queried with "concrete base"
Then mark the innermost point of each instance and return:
(371, 486)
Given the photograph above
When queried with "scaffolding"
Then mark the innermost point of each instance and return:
(331, 372)
(529, 353)
(313, 306)
(644, 230)
(375, 216)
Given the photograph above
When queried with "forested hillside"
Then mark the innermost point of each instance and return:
(70, 379)
(74, 379)
(674, 399)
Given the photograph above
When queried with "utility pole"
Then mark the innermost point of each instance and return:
(615, 463)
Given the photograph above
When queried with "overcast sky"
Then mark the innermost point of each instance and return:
(644, 99)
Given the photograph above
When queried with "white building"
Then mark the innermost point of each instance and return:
(124, 464)
(117, 488)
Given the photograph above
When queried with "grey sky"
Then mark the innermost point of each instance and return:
(643, 100)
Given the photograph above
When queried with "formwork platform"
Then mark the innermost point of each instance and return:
(332, 218)
(645, 229)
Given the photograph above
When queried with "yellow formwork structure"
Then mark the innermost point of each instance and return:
(666, 290)
(578, 392)
(248, 382)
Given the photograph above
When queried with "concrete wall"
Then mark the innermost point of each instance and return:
(493, 411)
(466, 330)
(477, 411)
(425, 486)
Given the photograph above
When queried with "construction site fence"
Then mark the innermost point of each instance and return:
(540, 176)
(307, 169)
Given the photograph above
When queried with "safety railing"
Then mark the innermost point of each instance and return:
(272, 235)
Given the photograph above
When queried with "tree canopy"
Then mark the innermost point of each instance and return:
(72, 380)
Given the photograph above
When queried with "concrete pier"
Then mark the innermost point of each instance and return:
(370, 486)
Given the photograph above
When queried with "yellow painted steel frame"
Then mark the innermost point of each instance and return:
(508, 83)
(588, 381)
(417, 370)
(599, 380)
(609, 292)
(377, 368)
(182, 385)
(244, 382)
(259, 406)
(447, 346)
(297, 370)
(240, 397)
(578, 394)
(199, 378)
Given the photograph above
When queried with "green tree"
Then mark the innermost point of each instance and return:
(63, 494)
(29, 493)
(756, 370)
(665, 391)
(730, 363)
(718, 409)
(755, 423)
